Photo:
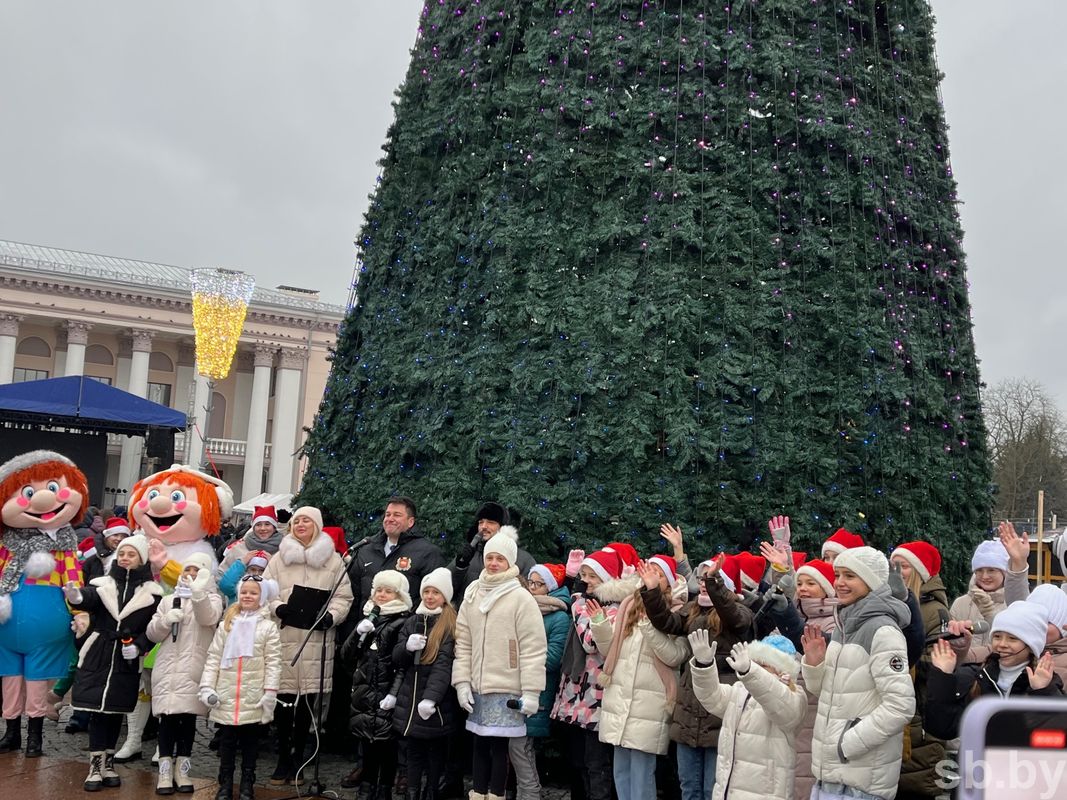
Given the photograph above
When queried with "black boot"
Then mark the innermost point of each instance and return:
(34, 731)
(12, 740)
(248, 784)
(225, 791)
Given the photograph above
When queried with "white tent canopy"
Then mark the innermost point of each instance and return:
(266, 499)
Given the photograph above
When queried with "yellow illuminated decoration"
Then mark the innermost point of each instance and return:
(220, 302)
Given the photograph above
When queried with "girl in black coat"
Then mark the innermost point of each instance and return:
(120, 606)
(369, 654)
(426, 708)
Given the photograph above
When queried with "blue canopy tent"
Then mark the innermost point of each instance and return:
(80, 402)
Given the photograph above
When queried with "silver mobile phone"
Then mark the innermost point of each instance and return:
(1010, 749)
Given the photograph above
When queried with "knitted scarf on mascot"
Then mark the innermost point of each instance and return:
(179, 509)
(41, 492)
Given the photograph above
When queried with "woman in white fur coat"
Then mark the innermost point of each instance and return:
(500, 658)
(192, 613)
(760, 715)
(306, 557)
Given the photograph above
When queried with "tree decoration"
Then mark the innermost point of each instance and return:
(220, 302)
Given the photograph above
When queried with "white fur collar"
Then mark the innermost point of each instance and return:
(145, 595)
(315, 554)
(617, 590)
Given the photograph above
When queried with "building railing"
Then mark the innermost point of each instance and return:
(227, 448)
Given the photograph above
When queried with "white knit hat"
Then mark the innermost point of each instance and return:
(138, 542)
(308, 511)
(552, 584)
(394, 580)
(1054, 601)
(869, 564)
(1025, 621)
(502, 544)
(441, 580)
(991, 555)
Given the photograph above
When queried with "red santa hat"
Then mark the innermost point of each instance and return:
(260, 558)
(265, 514)
(923, 557)
(841, 541)
(627, 552)
(338, 535)
(605, 563)
(752, 569)
(798, 560)
(669, 567)
(87, 547)
(552, 574)
(822, 573)
(730, 570)
(116, 526)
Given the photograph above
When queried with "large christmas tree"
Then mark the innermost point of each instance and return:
(694, 261)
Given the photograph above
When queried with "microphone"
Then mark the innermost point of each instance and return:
(515, 705)
(977, 629)
(371, 617)
(354, 547)
(174, 625)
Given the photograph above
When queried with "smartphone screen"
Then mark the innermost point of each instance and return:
(1025, 757)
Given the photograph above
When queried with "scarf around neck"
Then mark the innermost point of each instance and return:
(496, 586)
(241, 640)
(270, 545)
(397, 606)
(24, 542)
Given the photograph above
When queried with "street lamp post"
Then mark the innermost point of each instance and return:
(220, 303)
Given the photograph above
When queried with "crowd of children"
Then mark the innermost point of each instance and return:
(765, 676)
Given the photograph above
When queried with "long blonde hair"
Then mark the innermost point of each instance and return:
(445, 626)
(637, 610)
(230, 615)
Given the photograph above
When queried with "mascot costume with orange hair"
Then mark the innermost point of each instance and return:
(41, 492)
(179, 509)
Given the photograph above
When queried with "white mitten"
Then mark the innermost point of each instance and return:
(173, 616)
(465, 697)
(72, 593)
(130, 652)
(530, 704)
(208, 696)
(426, 708)
(388, 702)
(267, 702)
(364, 626)
(416, 642)
(201, 582)
(739, 660)
(184, 589)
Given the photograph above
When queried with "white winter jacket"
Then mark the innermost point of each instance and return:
(319, 567)
(634, 712)
(760, 717)
(241, 686)
(866, 697)
(179, 664)
(502, 650)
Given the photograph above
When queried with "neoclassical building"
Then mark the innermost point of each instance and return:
(129, 323)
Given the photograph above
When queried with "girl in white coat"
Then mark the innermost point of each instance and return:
(240, 682)
(183, 625)
(760, 715)
(499, 669)
(640, 682)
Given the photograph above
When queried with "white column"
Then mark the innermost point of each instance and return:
(77, 338)
(9, 334)
(184, 377)
(130, 458)
(198, 432)
(286, 405)
(256, 437)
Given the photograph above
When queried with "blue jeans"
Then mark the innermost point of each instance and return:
(635, 774)
(696, 771)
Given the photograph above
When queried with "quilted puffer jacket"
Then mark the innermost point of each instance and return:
(866, 698)
(179, 664)
(373, 673)
(417, 682)
(240, 686)
(760, 717)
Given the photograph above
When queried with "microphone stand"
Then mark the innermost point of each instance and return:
(316, 788)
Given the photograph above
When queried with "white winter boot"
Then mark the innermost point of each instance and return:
(135, 724)
(182, 781)
(165, 779)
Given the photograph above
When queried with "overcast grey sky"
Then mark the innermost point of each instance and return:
(246, 133)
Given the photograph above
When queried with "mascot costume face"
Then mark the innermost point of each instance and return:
(178, 509)
(41, 492)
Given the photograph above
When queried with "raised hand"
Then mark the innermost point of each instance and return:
(594, 610)
(157, 554)
(775, 555)
(779, 528)
(814, 645)
(943, 657)
(72, 593)
(674, 536)
(960, 631)
(650, 575)
(897, 587)
(1042, 676)
(574, 563)
(703, 646)
(1018, 547)
(739, 659)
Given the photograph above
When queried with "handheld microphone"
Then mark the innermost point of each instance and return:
(515, 705)
(174, 625)
(977, 629)
(128, 640)
(373, 618)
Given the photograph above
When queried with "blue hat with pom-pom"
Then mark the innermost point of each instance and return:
(777, 652)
